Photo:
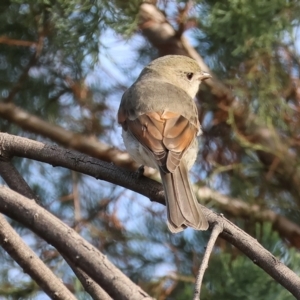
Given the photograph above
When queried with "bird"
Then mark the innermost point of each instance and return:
(160, 126)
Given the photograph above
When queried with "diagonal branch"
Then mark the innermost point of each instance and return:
(69, 243)
(13, 42)
(17, 183)
(91, 287)
(160, 33)
(20, 252)
(31, 264)
(13, 178)
(288, 230)
(14, 206)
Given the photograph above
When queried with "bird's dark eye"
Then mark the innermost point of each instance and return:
(189, 76)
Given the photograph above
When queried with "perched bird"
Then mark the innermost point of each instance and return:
(160, 127)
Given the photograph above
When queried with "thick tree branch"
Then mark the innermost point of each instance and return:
(56, 156)
(70, 244)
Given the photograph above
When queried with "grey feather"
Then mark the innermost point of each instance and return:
(182, 205)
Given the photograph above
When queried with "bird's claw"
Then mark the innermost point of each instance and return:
(140, 171)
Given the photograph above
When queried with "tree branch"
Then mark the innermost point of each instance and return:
(288, 230)
(19, 251)
(60, 157)
(160, 33)
(57, 156)
(16, 182)
(8, 41)
(91, 287)
(70, 244)
(13, 178)
(12, 206)
(31, 264)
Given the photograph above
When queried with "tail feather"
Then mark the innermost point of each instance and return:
(182, 205)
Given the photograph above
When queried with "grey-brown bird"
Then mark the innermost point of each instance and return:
(160, 127)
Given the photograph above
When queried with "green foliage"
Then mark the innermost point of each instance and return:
(56, 63)
(238, 28)
(123, 16)
(244, 40)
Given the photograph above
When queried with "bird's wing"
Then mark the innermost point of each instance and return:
(166, 134)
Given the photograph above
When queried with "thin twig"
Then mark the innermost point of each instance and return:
(13, 42)
(218, 228)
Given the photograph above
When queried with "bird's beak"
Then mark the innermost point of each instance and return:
(204, 76)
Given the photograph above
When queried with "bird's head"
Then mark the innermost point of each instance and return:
(179, 70)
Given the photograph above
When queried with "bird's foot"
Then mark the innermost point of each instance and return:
(140, 171)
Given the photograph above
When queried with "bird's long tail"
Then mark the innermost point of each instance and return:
(182, 205)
